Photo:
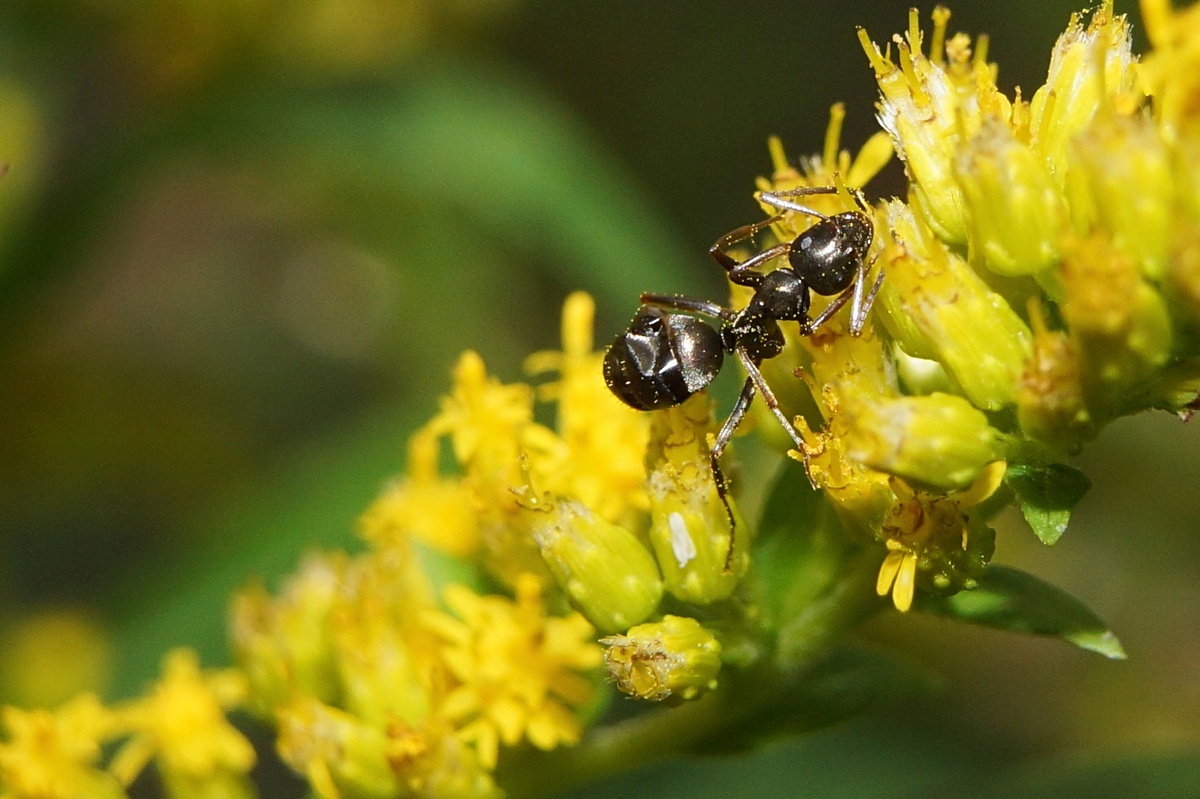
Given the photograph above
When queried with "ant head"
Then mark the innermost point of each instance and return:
(828, 255)
(857, 228)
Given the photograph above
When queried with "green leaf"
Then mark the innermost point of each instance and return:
(1047, 494)
(1010, 599)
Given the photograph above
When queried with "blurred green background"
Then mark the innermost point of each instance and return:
(242, 241)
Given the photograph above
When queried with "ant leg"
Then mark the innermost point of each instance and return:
(714, 455)
(678, 302)
(861, 199)
(742, 272)
(829, 311)
(775, 199)
(768, 396)
(862, 305)
(859, 307)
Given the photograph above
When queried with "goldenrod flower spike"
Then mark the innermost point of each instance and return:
(1041, 277)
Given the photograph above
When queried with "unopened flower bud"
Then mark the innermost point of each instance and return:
(339, 753)
(1118, 319)
(673, 658)
(1129, 187)
(1016, 211)
(699, 554)
(1050, 404)
(939, 440)
(1089, 68)
(284, 645)
(937, 307)
(606, 572)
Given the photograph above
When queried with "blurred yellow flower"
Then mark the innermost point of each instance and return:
(54, 755)
(516, 669)
(181, 725)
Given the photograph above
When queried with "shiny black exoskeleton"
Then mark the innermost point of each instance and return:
(665, 355)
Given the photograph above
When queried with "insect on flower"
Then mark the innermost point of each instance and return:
(666, 354)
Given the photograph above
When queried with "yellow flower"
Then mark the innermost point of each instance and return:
(600, 462)
(385, 657)
(485, 420)
(433, 509)
(933, 533)
(497, 443)
(341, 756)
(516, 670)
(929, 108)
(54, 755)
(284, 644)
(181, 724)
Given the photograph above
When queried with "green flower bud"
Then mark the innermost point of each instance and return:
(1130, 187)
(689, 531)
(938, 440)
(1050, 404)
(1089, 68)
(606, 572)
(937, 307)
(689, 525)
(675, 658)
(1016, 211)
(1117, 319)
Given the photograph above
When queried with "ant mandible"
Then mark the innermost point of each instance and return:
(665, 355)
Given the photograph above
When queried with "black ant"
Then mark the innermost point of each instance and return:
(664, 357)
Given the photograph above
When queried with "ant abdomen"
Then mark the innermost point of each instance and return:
(662, 359)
